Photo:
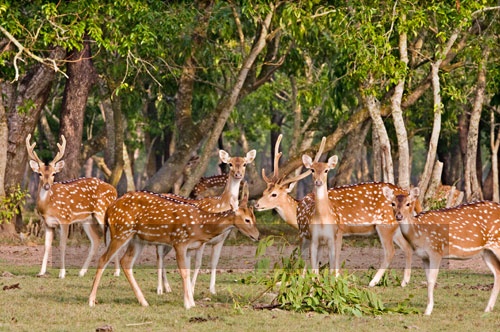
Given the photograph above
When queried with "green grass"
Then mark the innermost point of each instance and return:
(51, 304)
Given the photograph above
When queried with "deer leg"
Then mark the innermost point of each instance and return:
(107, 239)
(432, 273)
(337, 243)
(161, 252)
(64, 230)
(184, 269)
(93, 236)
(408, 251)
(313, 252)
(214, 260)
(385, 235)
(111, 251)
(134, 249)
(197, 264)
(49, 236)
(492, 260)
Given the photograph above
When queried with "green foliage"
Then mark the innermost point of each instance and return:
(10, 203)
(301, 290)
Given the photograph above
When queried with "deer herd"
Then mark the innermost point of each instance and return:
(322, 217)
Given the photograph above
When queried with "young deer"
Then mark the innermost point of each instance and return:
(64, 203)
(237, 167)
(321, 224)
(362, 209)
(209, 186)
(457, 233)
(139, 218)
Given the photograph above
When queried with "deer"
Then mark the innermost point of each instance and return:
(139, 218)
(362, 209)
(237, 166)
(460, 232)
(320, 225)
(209, 186)
(61, 204)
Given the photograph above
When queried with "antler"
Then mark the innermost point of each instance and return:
(31, 150)
(320, 151)
(60, 153)
(277, 156)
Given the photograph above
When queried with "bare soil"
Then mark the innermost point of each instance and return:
(233, 257)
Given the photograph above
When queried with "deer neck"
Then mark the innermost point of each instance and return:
(231, 190)
(43, 198)
(322, 200)
(288, 211)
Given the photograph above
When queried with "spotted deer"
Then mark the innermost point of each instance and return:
(460, 232)
(362, 209)
(139, 218)
(237, 166)
(61, 204)
(209, 186)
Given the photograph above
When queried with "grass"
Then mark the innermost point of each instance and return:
(52, 304)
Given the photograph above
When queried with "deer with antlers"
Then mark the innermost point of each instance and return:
(139, 218)
(237, 167)
(362, 209)
(460, 232)
(64, 203)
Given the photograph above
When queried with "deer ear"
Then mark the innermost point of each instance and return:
(34, 166)
(414, 193)
(224, 156)
(59, 166)
(332, 161)
(388, 193)
(250, 156)
(307, 161)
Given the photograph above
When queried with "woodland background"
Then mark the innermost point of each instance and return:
(404, 91)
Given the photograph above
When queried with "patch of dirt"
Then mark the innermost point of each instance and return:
(233, 257)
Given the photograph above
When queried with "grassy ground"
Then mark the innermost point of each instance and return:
(50, 304)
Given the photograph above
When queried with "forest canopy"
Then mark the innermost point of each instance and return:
(146, 92)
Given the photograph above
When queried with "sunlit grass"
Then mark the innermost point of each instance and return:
(52, 304)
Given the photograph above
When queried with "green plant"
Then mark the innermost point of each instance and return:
(301, 290)
(10, 203)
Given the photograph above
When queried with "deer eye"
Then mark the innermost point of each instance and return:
(393, 204)
(274, 195)
(244, 164)
(39, 174)
(312, 170)
(407, 204)
(248, 221)
(230, 164)
(326, 171)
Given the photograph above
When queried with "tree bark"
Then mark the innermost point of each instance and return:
(494, 144)
(436, 130)
(352, 155)
(472, 186)
(81, 78)
(397, 115)
(378, 127)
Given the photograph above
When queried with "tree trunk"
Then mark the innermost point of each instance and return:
(495, 144)
(351, 156)
(227, 104)
(397, 115)
(378, 127)
(81, 78)
(472, 186)
(30, 95)
(436, 130)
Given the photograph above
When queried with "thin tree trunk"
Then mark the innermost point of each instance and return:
(472, 186)
(495, 143)
(81, 78)
(227, 105)
(436, 130)
(373, 106)
(397, 115)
